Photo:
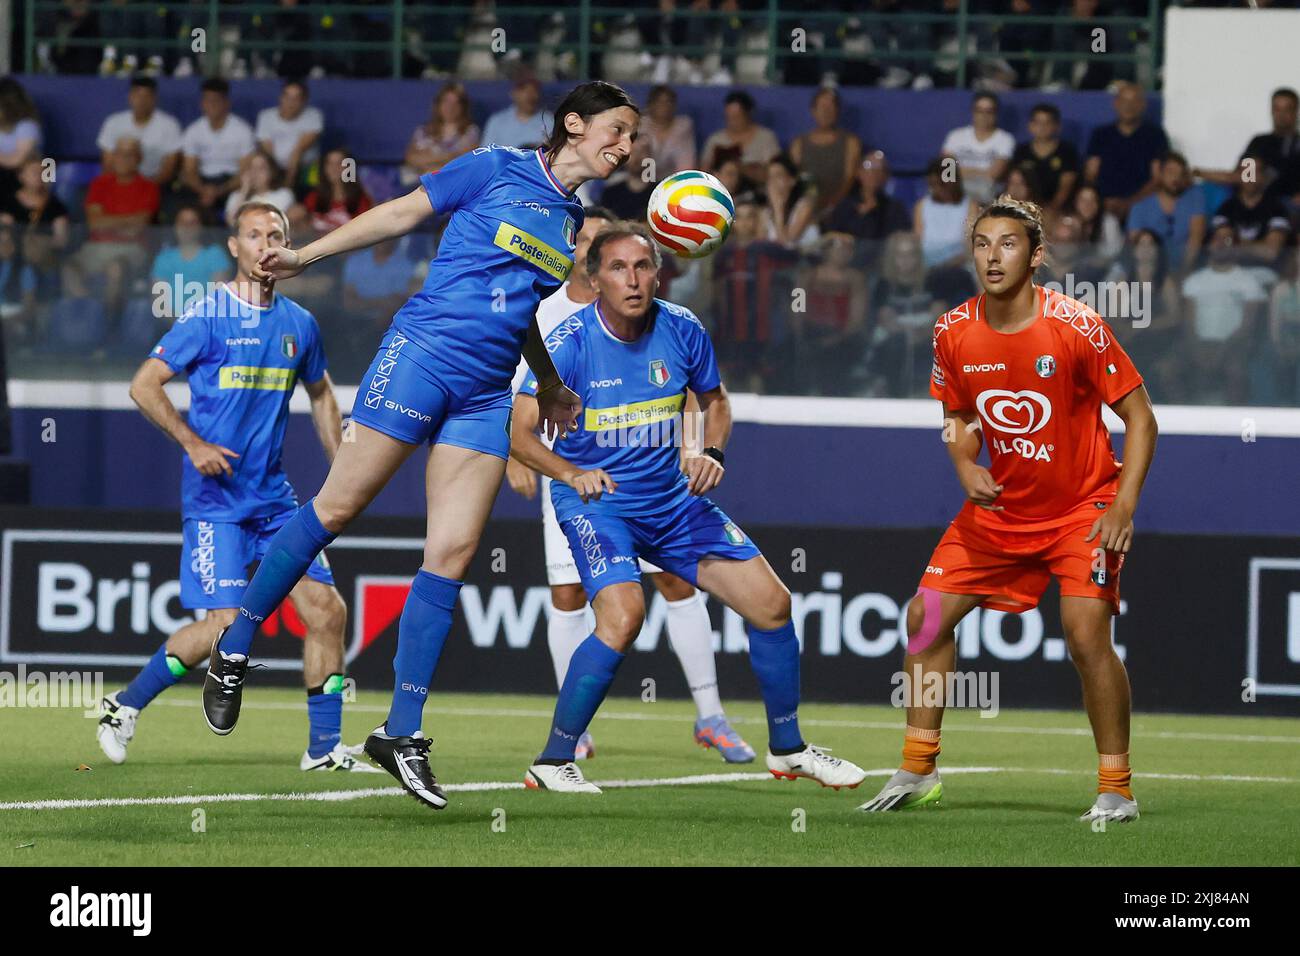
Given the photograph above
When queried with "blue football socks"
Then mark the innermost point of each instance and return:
(774, 656)
(591, 671)
(426, 619)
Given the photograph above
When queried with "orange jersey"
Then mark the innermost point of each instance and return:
(1038, 394)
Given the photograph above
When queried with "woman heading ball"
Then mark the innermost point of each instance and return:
(442, 376)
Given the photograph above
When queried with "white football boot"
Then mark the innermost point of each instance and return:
(1111, 807)
(342, 757)
(904, 791)
(116, 728)
(816, 763)
(566, 778)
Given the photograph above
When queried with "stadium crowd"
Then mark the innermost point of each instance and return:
(829, 284)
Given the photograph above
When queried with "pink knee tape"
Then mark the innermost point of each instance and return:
(923, 638)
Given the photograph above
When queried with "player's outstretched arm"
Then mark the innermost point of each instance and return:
(703, 470)
(528, 450)
(1115, 526)
(147, 393)
(325, 414)
(963, 439)
(388, 220)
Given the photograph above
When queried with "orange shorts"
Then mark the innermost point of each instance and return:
(1014, 567)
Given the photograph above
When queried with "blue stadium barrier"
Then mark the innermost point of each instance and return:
(822, 476)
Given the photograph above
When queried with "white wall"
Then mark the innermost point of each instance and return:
(1220, 67)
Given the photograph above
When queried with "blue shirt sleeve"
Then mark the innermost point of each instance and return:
(703, 375)
(186, 342)
(312, 368)
(462, 180)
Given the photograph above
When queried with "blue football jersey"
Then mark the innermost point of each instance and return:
(632, 395)
(509, 244)
(242, 362)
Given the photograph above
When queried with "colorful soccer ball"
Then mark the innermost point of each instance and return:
(690, 214)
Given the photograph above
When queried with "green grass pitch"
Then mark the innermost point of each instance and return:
(1213, 790)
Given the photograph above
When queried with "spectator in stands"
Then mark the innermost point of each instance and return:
(940, 218)
(188, 268)
(868, 212)
(1124, 157)
(339, 198)
(982, 150)
(1284, 329)
(789, 218)
(523, 124)
(1049, 163)
(450, 132)
(1101, 229)
(753, 282)
(262, 180)
(730, 175)
(904, 305)
(669, 135)
(1017, 186)
(377, 281)
(17, 292)
(1258, 217)
(158, 133)
(1078, 35)
(1175, 212)
(1277, 152)
(77, 21)
(741, 138)
(20, 133)
(1066, 262)
(1223, 303)
(120, 205)
(215, 148)
(627, 192)
(828, 154)
(290, 132)
(34, 204)
(828, 332)
(1152, 339)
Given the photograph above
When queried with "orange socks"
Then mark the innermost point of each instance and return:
(920, 748)
(1114, 775)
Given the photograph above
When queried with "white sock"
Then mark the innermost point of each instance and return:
(691, 636)
(565, 630)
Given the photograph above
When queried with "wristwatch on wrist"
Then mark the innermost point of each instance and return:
(716, 454)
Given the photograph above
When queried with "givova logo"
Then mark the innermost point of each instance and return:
(203, 560)
(76, 909)
(590, 544)
(384, 371)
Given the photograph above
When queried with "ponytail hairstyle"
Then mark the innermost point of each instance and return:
(586, 100)
(1004, 207)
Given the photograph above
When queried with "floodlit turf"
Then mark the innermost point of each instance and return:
(1022, 813)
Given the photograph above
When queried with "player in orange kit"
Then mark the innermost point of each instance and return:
(1026, 369)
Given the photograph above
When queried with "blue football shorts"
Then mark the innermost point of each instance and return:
(216, 555)
(404, 397)
(606, 546)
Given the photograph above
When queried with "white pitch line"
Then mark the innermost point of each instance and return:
(804, 721)
(331, 796)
